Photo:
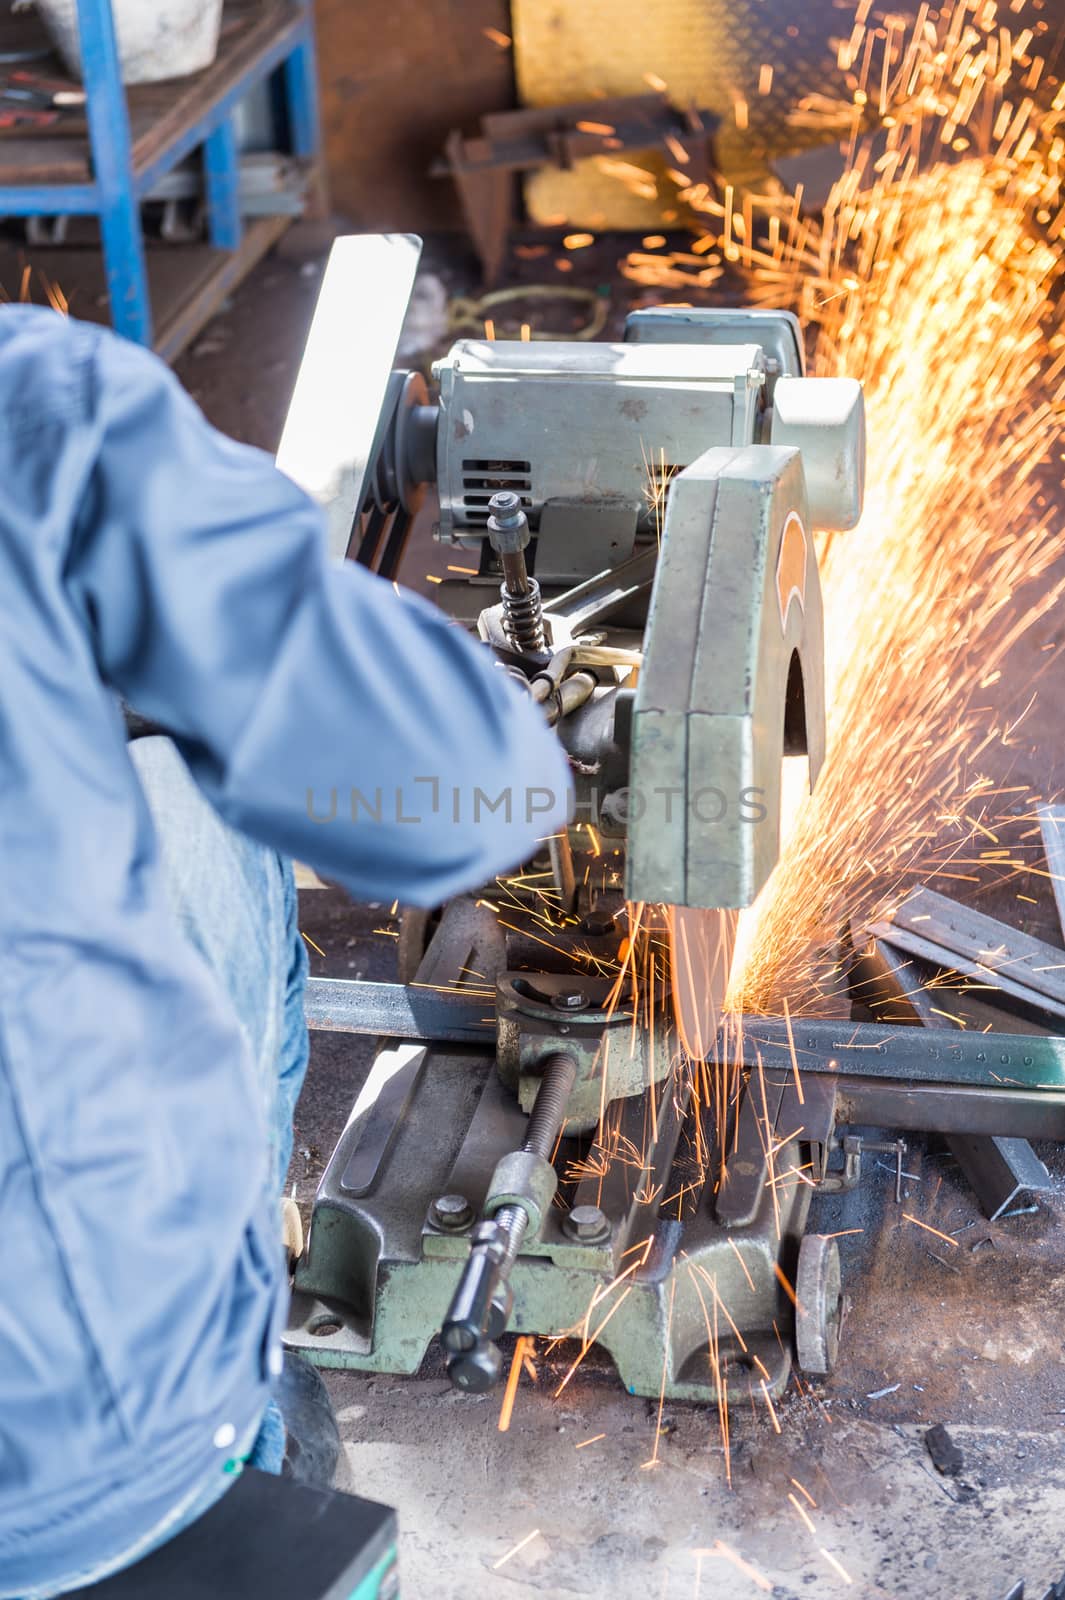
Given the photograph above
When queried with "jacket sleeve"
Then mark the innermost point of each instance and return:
(320, 710)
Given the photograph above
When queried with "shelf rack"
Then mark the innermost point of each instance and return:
(133, 137)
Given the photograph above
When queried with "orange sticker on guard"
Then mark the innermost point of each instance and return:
(791, 566)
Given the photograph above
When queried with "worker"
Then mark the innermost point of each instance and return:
(151, 1033)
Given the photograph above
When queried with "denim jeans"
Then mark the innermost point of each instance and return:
(236, 903)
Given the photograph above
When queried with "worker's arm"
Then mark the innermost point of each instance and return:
(320, 710)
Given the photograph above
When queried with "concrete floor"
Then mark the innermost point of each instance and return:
(976, 1343)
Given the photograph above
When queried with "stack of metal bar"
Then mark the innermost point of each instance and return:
(937, 964)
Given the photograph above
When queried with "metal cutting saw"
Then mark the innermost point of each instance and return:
(542, 1144)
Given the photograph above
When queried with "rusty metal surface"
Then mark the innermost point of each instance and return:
(395, 78)
(511, 142)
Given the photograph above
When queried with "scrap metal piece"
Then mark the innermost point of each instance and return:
(1052, 828)
(901, 988)
(999, 1170)
(946, 1457)
(887, 980)
(510, 142)
(996, 957)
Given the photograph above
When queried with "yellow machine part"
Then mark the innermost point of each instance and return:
(766, 67)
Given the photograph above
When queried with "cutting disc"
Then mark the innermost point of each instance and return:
(701, 945)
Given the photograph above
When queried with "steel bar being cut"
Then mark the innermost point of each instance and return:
(1027, 1063)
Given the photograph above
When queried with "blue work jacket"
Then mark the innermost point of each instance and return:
(144, 555)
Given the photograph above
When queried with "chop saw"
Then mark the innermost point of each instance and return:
(543, 1144)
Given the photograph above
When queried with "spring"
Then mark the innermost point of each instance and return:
(523, 617)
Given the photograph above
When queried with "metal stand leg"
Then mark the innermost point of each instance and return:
(127, 275)
(120, 223)
(221, 167)
(301, 96)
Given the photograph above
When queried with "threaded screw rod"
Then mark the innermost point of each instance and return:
(508, 530)
(541, 1135)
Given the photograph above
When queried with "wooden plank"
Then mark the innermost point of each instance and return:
(41, 159)
(187, 282)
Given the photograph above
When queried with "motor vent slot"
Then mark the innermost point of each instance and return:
(482, 479)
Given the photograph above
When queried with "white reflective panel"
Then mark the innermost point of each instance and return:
(332, 420)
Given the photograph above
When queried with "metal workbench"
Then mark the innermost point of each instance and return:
(131, 139)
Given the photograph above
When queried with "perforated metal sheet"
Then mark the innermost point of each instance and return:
(708, 52)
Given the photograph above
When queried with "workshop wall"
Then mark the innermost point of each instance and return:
(396, 77)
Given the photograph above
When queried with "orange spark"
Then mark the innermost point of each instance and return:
(927, 1226)
(803, 1513)
(510, 1392)
(528, 1539)
(726, 1553)
(841, 1570)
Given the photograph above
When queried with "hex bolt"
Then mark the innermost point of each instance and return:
(509, 518)
(570, 1000)
(587, 1225)
(451, 1213)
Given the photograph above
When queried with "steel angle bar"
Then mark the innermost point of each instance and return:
(397, 1011)
(895, 987)
(1052, 827)
(917, 1055)
(999, 1169)
(949, 935)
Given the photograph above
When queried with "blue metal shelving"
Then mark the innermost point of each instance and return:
(124, 169)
